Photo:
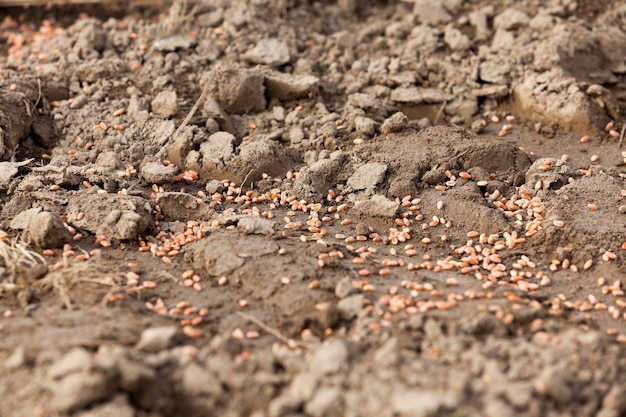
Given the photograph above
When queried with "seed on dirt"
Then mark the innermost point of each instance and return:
(595, 158)
(188, 283)
(48, 252)
(149, 284)
(221, 281)
(7, 314)
(54, 187)
(584, 139)
(237, 333)
(592, 207)
(243, 303)
(192, 332)
(559, 223)
(252, 334)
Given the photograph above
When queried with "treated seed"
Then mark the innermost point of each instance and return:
(364, 272)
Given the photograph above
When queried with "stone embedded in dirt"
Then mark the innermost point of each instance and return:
(344, 288)
(138, 109)
(199, 381)
(407, 402)
(118, 217)
(165, 104)
(174, 42)
(330, 358)
(218, 151)
(283, 86)
(395, 123)
(419, 95)
(272, 52)
(431, 12)
(326, 402)
(79, 390)
(378, 206)
(510, 19)
(552, 97)
(367, 176)
(239, 90)
(17, 359)
(19, 123)
(553, 174)
(365, 125)
(455, 39)
(156, 339)
(181, 207)
(157, 173)
(250, 225)
(109, 160)
(76, 360)
(219, 255)
(553, 382)
(318, 178)
(8, 170)
(46, 230)
(118, 407)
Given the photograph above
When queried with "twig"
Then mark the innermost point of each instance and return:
(274, 332)
(621, 136)
(244, 182)
(189, 115)
(443, 105)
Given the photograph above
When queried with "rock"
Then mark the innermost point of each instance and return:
(480, 20)
(378, 206)
(367, 176)
(9, 169)
(76, 360)
(283, 86)
(431, 12)
(318, 178)
(483, 324)
(272, 52)
(327, 402)
(396, 123)
(79, 390)
(388, 354)
(46, 230)
(165, 104)
(330, 358)
(614, 402)
(118, 217)
(419, 95)
(217, 152)
(138, 109)
(553, 98)
(200, 381)
(422, 403)
(17, 359)
(351, 306)
(510, 19)
(553, 382)
(157, 173)
(554, 177)
(456, 40)
(108, 160)
(219, 254)
(495, 72)
(156, 339)
(172, 43)
(182, 207)
(365, 125)
(239, 90)
(119, 407)
(344, 288)
(250, 225)
(361, 101)
(495, 407)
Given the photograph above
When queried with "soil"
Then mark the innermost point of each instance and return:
(296, 208)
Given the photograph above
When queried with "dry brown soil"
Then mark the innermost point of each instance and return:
(313, 208)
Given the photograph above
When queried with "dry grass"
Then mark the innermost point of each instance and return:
(16, 257)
